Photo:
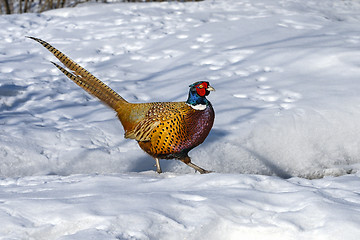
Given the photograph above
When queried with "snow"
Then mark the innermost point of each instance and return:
(284, 147)
(171, 206)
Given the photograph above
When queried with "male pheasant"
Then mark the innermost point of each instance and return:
(164, 130)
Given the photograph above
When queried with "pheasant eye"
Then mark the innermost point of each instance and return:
(201, 86)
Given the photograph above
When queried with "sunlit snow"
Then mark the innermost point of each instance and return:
(287, 80)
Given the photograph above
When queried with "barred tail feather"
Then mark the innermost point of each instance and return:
(84, 79)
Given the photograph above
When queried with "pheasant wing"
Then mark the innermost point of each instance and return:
(157, 113)
(142, 131)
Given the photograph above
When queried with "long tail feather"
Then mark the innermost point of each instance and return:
(84, 79)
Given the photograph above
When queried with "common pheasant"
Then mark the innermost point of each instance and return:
(164, 130)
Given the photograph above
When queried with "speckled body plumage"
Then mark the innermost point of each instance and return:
(164, 130)
(180, 128)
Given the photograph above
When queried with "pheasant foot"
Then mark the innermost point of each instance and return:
(197, 168)
(188, 162)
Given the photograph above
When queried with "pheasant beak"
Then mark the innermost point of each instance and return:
(210, 88)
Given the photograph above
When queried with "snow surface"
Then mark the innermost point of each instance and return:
(287, 107)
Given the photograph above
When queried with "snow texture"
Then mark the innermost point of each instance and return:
(287, 104)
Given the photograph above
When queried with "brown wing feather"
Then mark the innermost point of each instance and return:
(84, 79)
(142, 131)
(157, 113)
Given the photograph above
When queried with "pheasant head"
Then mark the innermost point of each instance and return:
(197, 95)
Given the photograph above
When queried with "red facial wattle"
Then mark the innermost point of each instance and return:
(201, 89)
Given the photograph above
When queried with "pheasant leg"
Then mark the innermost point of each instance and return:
(188, 162)
(197, 168)
(158, 168)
